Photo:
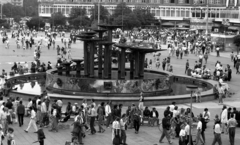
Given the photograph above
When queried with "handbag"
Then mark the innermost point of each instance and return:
(116, 140)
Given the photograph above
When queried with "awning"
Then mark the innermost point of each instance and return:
(167, 24)
(183, 24)
(233, 28)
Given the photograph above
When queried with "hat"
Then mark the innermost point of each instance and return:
(75, 103)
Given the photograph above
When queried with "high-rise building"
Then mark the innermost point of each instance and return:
(17, 2)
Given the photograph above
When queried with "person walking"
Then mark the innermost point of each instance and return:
(199, 131)
(218, 51)
(108, 114)
(224, 118)
(231, 124)
(166, 127)
(220, 94)
(92, 115)
(20, 113)
(32, 120)
(217, 133)
(41, 135)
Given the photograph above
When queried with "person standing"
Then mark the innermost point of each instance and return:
(187, 66)
(231, 124)
(136, 119)
(20, 113)
(101, 113)
(218, 51)
(220, 94)
(92, 115)
(123, 123)
(224, 119)
(32, 120)
(182, 135)
(166, 127)
(204, 126)
(77, 128)
(108, 114)
(217, 133)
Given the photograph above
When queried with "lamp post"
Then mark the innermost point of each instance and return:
(98, 12)
(191, 88)
(207, 17)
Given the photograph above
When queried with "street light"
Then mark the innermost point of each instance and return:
(191, 88)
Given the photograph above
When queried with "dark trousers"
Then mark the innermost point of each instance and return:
(203, 135)
(218, 54)
(186, 69)
(93, 130)
(231, 135)
(136, 125)
(123, 136)
(20, 119)
(41, 142)
(108, 120)
(217, 139)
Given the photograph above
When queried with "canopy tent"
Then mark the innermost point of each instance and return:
(183, 24)
(170, 24)
(233, 28)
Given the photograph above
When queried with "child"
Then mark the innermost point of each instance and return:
(41, 135)
(10, 137)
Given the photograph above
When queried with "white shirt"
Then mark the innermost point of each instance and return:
(154, 114)
(38, 101)
(207, 116)
(33, 114)
(224, 115)
(187, 129)
(171, 107)
(43, 107)
(116, 125)
(107, 110)
(175, 113)
(55, 112)
(199, 125)
(182, 133)
(217, 128)
(29, 104)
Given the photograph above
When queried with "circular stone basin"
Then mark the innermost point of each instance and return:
(157, 87)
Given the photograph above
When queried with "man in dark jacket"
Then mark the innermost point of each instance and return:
(20, 113)
(41, 135)
(166, 127)
(154, 117)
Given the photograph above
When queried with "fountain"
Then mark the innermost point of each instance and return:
(104, 80)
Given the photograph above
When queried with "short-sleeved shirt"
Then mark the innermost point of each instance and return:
(199, 125)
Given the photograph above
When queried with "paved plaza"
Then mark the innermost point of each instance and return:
(147, 135)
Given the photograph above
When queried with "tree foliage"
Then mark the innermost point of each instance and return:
(129, 21)
(236, 41)
(104, 14)
(76, 12)
(80, 21)
(35, 22)
(121, 9)
(144, 16)
(12, 11)
(58, 19)
(30, 7)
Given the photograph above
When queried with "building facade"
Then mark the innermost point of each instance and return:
(17, 2)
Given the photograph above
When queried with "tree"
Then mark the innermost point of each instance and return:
(10, 10)
(121, 9)
(35, 22)
(236, 41)
(129, 21)
(144, 16)
(80, 21)
(76, 12)
(58, 19)
(30, 7)
(103, 13)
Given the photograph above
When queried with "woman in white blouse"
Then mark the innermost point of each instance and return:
(116, 129)
(182, 135)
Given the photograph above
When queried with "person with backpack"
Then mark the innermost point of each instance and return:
(101, 113)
